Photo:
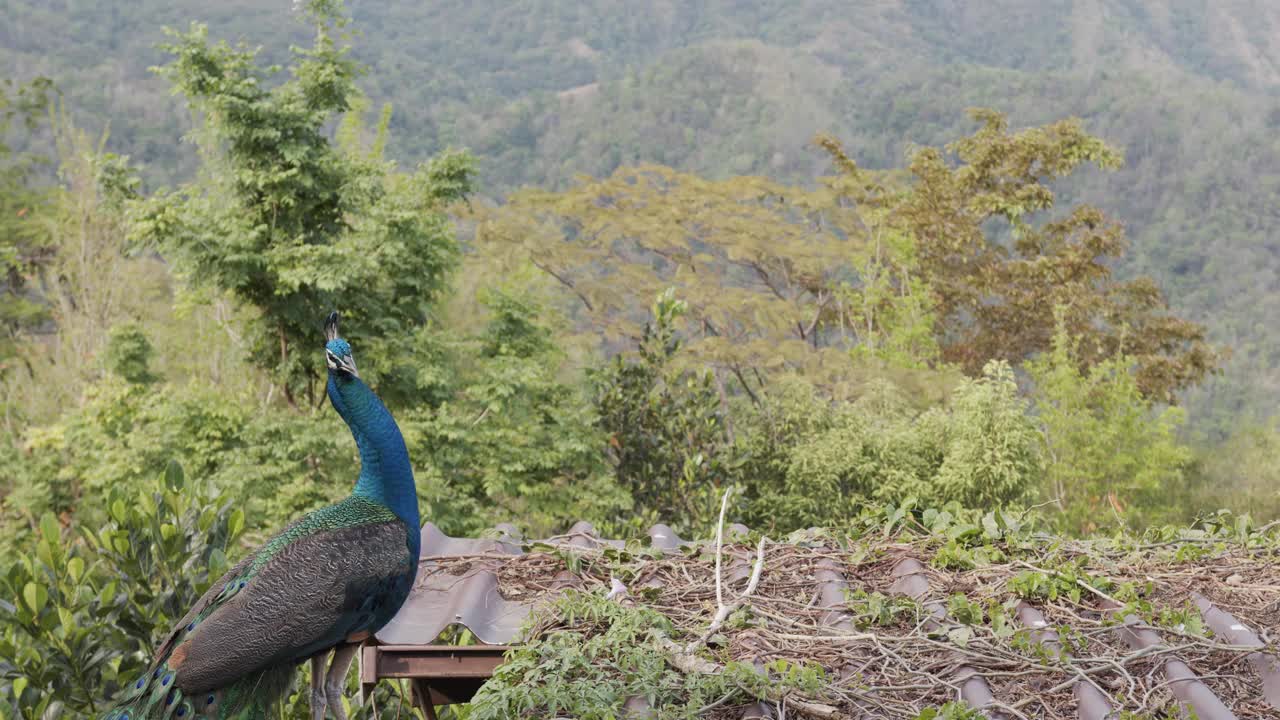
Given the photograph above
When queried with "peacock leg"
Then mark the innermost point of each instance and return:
(317, 685)
(336, 681)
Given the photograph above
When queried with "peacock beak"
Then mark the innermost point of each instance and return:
(347, 364)
(343, 364)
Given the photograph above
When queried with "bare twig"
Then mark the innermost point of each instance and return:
(724, 611)
(724, 506)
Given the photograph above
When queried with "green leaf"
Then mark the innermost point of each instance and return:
(206, 520)
(235, 523)
(217, 561)
(36, 596)
(990, 527)
(108, 593)
(75, 568)
(173, 476)
(960, 636)
(19, 684)
(50, 530)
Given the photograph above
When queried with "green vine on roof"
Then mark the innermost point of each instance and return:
(589, 655)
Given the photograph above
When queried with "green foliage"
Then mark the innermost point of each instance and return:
(511, 440)
(959, 555)
(288, 223)
(81, 607)
(125, 433)
(951, 711)
(549, 89)
(804, 364)
(129, 353)
(877, 610)
(23, 235)
(593, 654)
(998, 263)
(1241, 472)
(668, 436)
(814, 463)
(774, 278)
(1110, 456)
(1066, 579)
(991, 452)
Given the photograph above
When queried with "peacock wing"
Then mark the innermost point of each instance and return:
(305, 598)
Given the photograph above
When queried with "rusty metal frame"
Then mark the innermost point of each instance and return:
(438, 674)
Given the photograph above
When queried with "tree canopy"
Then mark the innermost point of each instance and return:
(291, 223)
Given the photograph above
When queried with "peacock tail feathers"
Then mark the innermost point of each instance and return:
(165, 692)
(155, 694)
(251, 697)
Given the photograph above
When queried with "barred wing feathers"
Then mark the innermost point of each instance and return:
(332, 573)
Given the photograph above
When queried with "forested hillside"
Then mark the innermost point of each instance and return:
(542, 90)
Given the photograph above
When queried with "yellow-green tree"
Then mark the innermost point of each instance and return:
(775, 277)
(1110, 457)
(998, 263)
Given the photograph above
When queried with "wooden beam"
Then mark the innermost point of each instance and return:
(439, 674)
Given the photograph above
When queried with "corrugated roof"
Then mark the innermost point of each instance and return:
(492, 585)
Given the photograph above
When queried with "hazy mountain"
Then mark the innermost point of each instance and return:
(545, 89)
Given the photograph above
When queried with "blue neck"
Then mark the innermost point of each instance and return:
(385, 474)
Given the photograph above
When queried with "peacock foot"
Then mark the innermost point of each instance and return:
(318, 703)
(334, 696)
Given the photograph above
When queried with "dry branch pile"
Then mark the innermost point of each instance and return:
(909, 618)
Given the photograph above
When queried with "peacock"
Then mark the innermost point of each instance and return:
(319, 587)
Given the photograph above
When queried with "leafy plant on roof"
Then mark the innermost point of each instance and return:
(878, 609)
(951, 711)
(587, 656)
(955, 555)
(1066, 579)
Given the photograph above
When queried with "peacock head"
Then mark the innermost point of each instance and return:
(337, 352)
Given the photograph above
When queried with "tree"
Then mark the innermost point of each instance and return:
(288, 222)
(24, 243)
(1109, 453)
(129, 353)
(809, 462)
(997, 268)
(775, 278)
(668, 435)
(514, 439)
(83, 282)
